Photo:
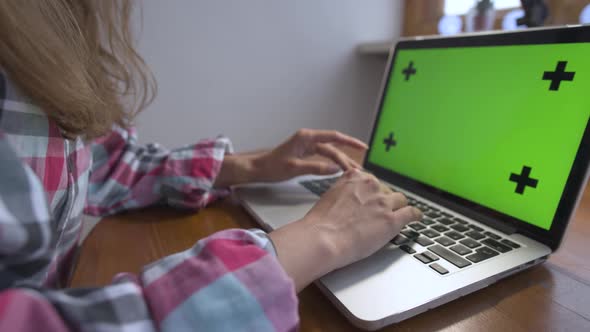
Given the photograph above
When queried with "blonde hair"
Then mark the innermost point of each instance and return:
(76, 60)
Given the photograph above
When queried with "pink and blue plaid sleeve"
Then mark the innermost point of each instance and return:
(126, 175)
(230, 281)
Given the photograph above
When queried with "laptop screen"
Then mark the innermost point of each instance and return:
(499, 126)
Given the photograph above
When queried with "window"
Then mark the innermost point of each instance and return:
(585, 15)
(423, 17)
(460, 7)
(509, 20)
(450, 25)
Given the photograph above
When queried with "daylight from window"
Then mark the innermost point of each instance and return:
(460, 7)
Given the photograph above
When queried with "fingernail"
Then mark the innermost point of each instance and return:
(334, 168)
(418, 214)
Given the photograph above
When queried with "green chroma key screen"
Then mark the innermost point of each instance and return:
(497, 125)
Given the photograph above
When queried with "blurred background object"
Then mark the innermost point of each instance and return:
(450, 25)
(480, 17)
(428, 17)
(535, 13)
(585, 15)
(510, 20)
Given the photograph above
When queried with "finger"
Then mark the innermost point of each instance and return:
(301, 167)
(386, 188)
(335, 155)
(398, 200)
(333, 136)
(405, 215)
(354, 163)
(380, 186)
(351, 174)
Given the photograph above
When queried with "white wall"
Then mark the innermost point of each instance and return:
(256, 70)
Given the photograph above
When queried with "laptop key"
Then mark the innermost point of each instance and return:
(477, 228)
(423, 241)
(460, 228)
(428, 222)
(431, 214)
(475, 235)
(446, 221)
(509, 243)
(410, 234)
(446, 215)
(460, 249)
(450, 256)
(318, 191)
(436, 267)
(333, 179)
(422, 207)
(430, 255)
(492, 235)
(454, 235)
(430, 233)
(445, 241)
(440, 228)
(399, 239)
(487, 251)
(481, 254)
(305, 184)
(496, 245)
(470, 243)
(416, 226)
(407, 249)
(422, 258)
(461, 221)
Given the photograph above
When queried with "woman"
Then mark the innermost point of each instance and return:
(67, 74)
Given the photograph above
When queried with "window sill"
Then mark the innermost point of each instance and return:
(378, 48)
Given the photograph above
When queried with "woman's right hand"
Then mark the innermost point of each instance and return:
(351, 221)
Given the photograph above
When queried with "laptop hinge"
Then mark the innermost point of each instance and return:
(488, 221)
(498, 225)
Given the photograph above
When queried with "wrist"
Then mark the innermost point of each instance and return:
(304, 253)
(235, 169)
(260, 167)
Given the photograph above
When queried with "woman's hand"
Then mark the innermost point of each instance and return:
(351, 221)
(291, 159)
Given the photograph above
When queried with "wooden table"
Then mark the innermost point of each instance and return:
(552, 297)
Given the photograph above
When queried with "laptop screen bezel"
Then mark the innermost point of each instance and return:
(578, 174)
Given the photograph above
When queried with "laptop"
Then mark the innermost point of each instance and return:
(488, 135)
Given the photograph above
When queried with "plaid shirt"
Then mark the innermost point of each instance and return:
(229, 281)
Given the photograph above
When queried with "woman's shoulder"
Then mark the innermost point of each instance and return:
(18, 114)
(34, 137)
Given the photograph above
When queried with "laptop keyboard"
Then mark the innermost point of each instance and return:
(439, 235)
(319, 186)
(453, 239)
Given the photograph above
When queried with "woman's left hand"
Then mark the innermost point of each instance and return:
(291, 158)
